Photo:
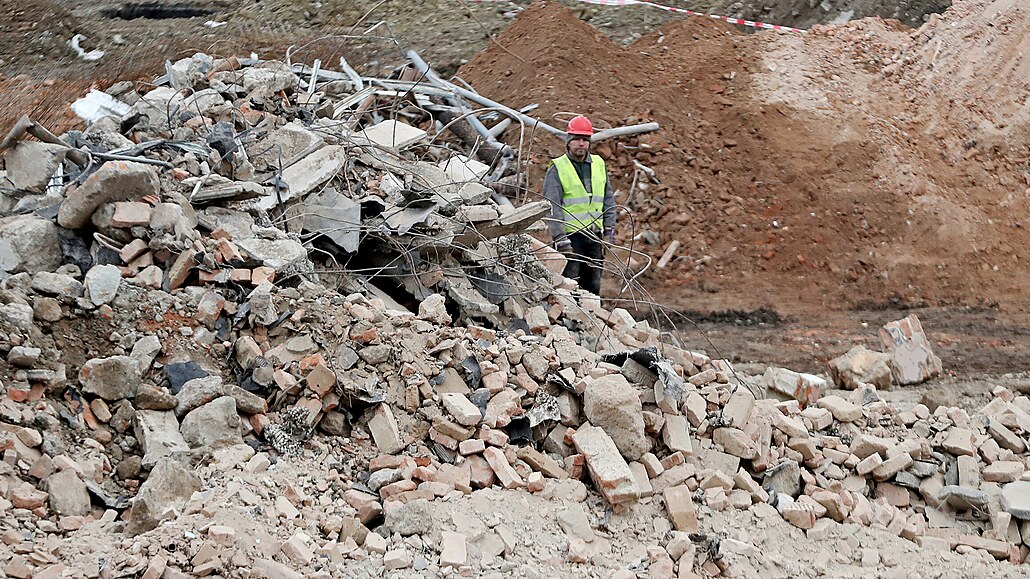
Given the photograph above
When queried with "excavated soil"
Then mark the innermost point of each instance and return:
(826, 170)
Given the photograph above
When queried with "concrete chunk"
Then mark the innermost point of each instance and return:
(680, 506)
(912, 359)
(113, 181)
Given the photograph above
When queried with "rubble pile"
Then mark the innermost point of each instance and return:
(291, 350)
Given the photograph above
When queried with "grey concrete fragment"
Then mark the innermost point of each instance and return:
(612, 404)
(165, 491)
(111, 378)
(158, 434)
(68, 495)
(102, 283)
(28, 244)
(215, 424)
(113, 181)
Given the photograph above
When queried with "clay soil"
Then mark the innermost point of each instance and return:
(815, 182)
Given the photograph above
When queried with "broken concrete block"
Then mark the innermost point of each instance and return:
(215, 424)
(612, 403)
(306, 175)
(68, 495)
(392, 134)
(861, 366)
(101, 284)
(113, 181)
(111, 378)
(165, 491)
(462, 409)
(30, 165)
(676, 434)
(841, 409)
(28, 244)
(159, 436)
(608, 470)
(912, 359)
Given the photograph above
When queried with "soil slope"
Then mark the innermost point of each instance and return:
(818, 168)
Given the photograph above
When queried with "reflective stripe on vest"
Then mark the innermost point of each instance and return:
(582, 211)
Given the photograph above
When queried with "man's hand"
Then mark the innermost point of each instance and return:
(563, 246)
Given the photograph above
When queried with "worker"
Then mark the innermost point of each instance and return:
(582, 206)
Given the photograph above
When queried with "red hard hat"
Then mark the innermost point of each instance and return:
(580, 125)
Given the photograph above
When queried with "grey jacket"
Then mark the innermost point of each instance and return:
(553, 192)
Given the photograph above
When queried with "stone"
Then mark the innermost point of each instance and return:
(68, 495)
(113, 181)
(912, 359)
(783, 478)
(31, 165)
(1015, 499)
(111, 378)
(575, 522)
(384, 430)
(215, 424)
(609, 471)
(101, 284)
(735, 442)
(417, 517)
(397, 559)
(841, 409)
(131, 214)
(462, 409)
(453, 549)
(28, 244)
(861, 366)
(145, 351)
(23, 356)
(166, 490)
(434, 309)
(612, 404)
(57, 284)
(298, 550)
(158, 434)
(962, 497)
(680, 507)
(150, 397)
(278, 254)
(787, 384)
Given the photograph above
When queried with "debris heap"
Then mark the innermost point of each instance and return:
(282, 350)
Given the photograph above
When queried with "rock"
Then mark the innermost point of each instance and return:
(150, 397)
(214, 424)
(102, 283)
(23, 356)
(278, 254)
(166, 490)
(415, 518)
(30, 164)
(29, 244)
(111, 378)
(1003, 471)
(68, 495)
(962, 497)
(790, 385)
(912, 359)
(1015, 499)
(612, 404)
(17, 315)
(57, 284)
(861, 365)
(434, 309)
(158, 434)
(113, 181)
(784, 478)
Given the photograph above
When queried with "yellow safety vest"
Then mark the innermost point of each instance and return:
(582, 211)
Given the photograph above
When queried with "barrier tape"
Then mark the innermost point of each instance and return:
(742, 22)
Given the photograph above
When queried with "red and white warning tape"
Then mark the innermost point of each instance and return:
(740, 21)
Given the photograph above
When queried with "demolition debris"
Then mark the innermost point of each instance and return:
(272, 320)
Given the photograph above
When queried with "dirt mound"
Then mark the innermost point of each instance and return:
(788, 172)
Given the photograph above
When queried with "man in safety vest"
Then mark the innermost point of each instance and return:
(582, 206)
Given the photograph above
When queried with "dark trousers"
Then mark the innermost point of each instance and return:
(585, 261)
